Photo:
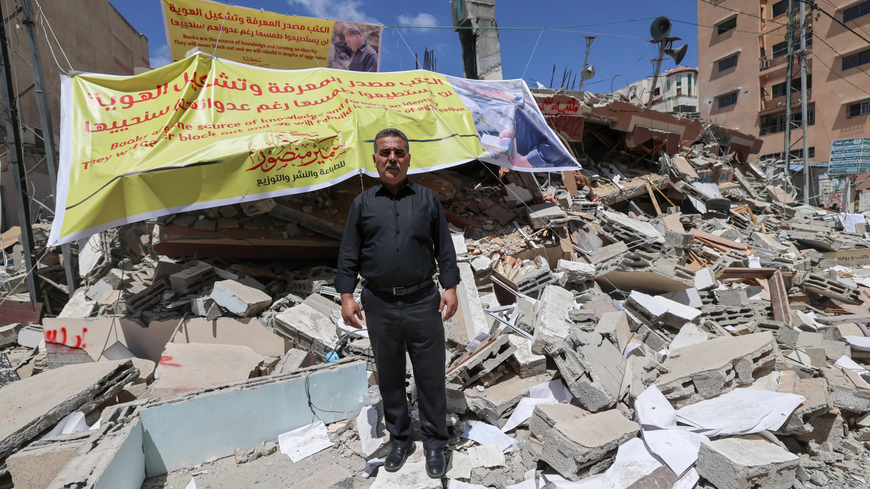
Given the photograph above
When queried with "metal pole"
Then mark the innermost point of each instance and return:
(589, 40)
(16, 158)
(652, 91)
(789, 36)
(47, 131)
(804, 121)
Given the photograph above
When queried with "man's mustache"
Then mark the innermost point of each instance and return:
(392, 164)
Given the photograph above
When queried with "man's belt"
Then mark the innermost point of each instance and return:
(400, 290)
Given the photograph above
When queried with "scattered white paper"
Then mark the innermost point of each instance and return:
(850, 364)
(459, 466)
(677, 446)
(371, 466)
(489, 456)
(191, 484)
(689, 480)
(524, 411)
(858, 342)
(740, 412)
(484, 433)
(555, 389)
(305, 441)
(73, 422)
(633, 461)
(367, 425)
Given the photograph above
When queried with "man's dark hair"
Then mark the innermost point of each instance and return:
(390, 131)
(353, 30)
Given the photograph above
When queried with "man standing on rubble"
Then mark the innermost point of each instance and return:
(395, 232)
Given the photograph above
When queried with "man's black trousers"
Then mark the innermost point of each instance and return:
(411, 323)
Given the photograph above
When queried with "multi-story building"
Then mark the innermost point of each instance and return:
(676, 91)
(742, 54)
(85, 36)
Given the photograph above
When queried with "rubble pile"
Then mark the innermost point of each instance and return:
(639, 323)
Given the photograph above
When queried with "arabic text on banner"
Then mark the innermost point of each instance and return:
(269, 39)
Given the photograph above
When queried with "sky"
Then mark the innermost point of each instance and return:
(621, 54)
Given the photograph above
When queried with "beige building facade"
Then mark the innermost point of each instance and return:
(676, 91)
(742, 71)
(87, 35)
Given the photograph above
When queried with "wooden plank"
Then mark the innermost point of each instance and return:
(20, 312)
(10, 237)
(727, 243)
(570, 182)
(655, 202)
(779, 298)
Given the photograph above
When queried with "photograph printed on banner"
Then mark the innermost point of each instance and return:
(355, 46)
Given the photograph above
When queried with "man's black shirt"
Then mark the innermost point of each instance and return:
(364, 59)
(394, 240)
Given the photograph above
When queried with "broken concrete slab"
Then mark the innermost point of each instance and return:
(847, 389)
(575, 272)
(7, 371)
(545, 416)
(188, 367)
(489, 456)
(498, 400)
(78, 305)
(308, 329)
(571, 446)
(523, 361)
(192, 279)
(551, 325)
(240, 299)
(746, 462)
(481, 362)
(591, 367)
(714, 367)
(37, 464)
(9, 334)
(816, 403)
(37, 403)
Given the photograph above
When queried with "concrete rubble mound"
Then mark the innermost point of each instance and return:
(667, 316)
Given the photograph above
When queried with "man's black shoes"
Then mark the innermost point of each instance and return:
(436, 463)
(397, 457)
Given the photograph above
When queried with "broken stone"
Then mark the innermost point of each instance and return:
(188, 367)
(576, 272)
(192, 279)
(551, 325)
(36, 465)
(545, 416)
(571, 446)
(746, 462)
(240, 299)
(524, 362)
(482, 362)
(591, 367)
(308, 329)
(714, 367)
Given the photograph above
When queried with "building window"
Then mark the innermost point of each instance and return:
(679, 85)
(686, 108)
(857, 59)
(861, 108)
(859, 10)
(669, 83)
(779, 89)
(773, 124)
(658, 92)
(780, 49)
(727, 63)
(780, 8)
(689, 84)
(728, 25)
(795, 154)
(726, 100)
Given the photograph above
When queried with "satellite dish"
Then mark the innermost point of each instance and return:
(588, 73)
(677, 54)
(660, 28)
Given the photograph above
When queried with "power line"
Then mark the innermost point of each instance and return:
(503, 28)
(853, 31)
(841, 76)
(840, 54)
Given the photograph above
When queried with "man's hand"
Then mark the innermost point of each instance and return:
(449, 303)
(350, 310)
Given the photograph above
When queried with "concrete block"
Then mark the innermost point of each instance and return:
(714, 367)
(482, 266)
(240, 299)
(732, 297)
(533, 281)
(9, 334)
(551, 325)
(844, 391)
(608, 258)
(471, 310)
(705, 279)
(591, 367)
(571, 446)
(815, 391)
(524, 362)
(525, 316)
(308, 329)
(614, 326)
(147, 298)
(831, 288)
(540, 215)
(78, 306)
(192, 279)
(746, 462)
(729, 315)
(291, 361)
(545, 416)
(36, 465)
(193, 366)
(688, 297)
(483, 361)
(576, 272)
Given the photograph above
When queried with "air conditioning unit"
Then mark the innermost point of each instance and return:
(765, 64)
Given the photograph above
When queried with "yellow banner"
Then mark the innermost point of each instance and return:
(204, 132)
(268, 39)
